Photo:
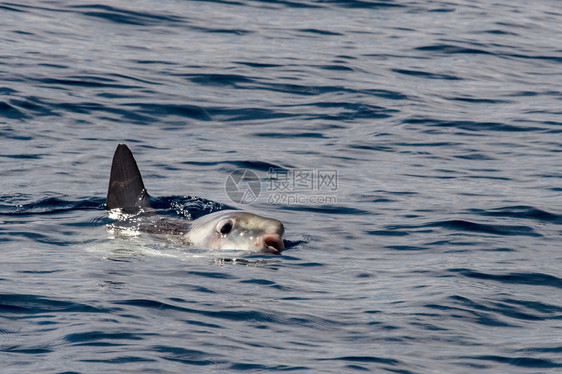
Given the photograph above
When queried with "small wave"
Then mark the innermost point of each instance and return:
(24, 156)
(11, 111)
(32, 304)
(470, 125)
(126, 16)
(532, 279)
(188, 207)
(49, 205)
(328, 209)
(187, 356)
(245, 366)
(425, 74)
(21, 108)
(231, 315)
(521, 212)
(101, 338)
(461, 225)
(452, 49)
(468, 226)
(218, 79)
(89, 81)
(521, 361)
(364, 359)
(320, 32)
(278, 135)
(362, 4)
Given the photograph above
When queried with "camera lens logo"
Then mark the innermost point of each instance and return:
(242, 186)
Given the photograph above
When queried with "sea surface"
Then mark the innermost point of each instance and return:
(413, 150)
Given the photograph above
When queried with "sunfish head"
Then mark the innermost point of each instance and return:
(237, 230)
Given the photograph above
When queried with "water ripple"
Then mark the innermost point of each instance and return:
(15, 304)
(533, 279)
(125, 16)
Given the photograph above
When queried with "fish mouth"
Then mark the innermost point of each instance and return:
(270, 243)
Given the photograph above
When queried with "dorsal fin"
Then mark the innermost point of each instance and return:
(126, 189)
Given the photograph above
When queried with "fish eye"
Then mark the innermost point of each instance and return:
(225, 226)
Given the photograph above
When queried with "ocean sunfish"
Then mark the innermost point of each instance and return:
(226, 229)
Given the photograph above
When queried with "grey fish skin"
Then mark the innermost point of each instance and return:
(227, 229)
(231, 229)
(126, 188)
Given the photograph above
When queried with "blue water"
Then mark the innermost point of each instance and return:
(436, 247)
